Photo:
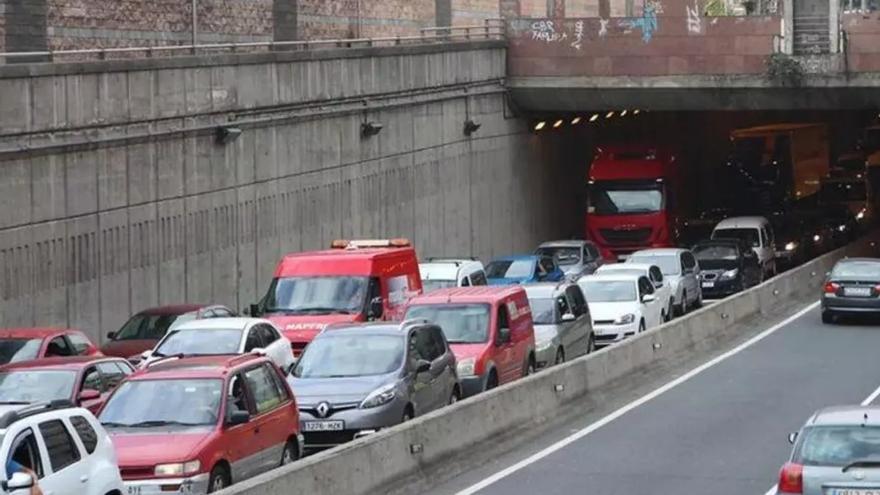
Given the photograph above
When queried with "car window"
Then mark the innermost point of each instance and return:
(269, 335)
(479, 278)
(92, 380)
(254, 340)
(24, 451)
(465, 282)
(58, 347)
(576, 297)
(688, 261)
(591, 252)
(112, 374)
(645, 286)
(763, 234)
(80, 344)
(547, 264)
(264, 389)
(656, 275)
(124, 367)
(562, 306)
(422, 345)
(236, 399)
(87, 434)
(60, 446)
(222, 313)
(439, 342)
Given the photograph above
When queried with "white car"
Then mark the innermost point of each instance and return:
(65, 446)
(757, 232)
(621, 305)
(663, 290)
(442, 273)
(681, 270)
(224, 336)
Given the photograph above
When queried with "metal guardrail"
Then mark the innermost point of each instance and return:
(489, 30)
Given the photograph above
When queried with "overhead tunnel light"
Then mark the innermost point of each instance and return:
(609, 114)
(594, 118)
(558, 124)
(623, 113)
(576, 121)
(636, 111)
(540, 125)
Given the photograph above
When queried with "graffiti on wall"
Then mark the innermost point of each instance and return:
(578, 35)
(647, 23)
(694, 21)
(546, 31)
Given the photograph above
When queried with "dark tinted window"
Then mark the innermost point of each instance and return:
(479, 278)
(465, 282)
(149, 327)
(424, 345)
(562, 306)
(576, 296)
(92, 380)
(645, 286)
(24, 451)
(86, 433)
(439, 341)
(59, 445)
(656, 274)
(269, 335)
(547, 264)
(590, 252)
(58, 347)
(689, 260)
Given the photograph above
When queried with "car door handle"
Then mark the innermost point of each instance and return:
(83, 478)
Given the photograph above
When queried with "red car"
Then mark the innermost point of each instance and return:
(25, 344)
(144, 330)
(86, 380)
(196, 425)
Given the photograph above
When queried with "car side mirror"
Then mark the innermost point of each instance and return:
(111, 335)
(18, 481)
(376, 308)
(423, 366)
(259, 351)
(238, 418)
(88, 394)
(648, 298)
(567, 317)
(503, 336)
(792, 437)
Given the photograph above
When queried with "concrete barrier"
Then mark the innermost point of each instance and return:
(372, 464)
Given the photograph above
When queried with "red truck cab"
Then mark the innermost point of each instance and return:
(632, 199)
(489, 329)
(354, 281)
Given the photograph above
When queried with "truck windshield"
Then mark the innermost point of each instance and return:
(841, 192)
(461, 323)
(317, 295)
(624, 198)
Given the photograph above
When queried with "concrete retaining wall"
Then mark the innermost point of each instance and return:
(372, 464)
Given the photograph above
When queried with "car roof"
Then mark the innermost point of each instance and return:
(659, 252)
(565, 243)
(474, 294)
(73, 363)
(613, 267)
(846, 415)
(861, 260)
(545, 289)
(365, 329)
(173, 309)
(612, 277)
(231, 323)
(720, 242)
(35, 332)
(518, 257)
(353, 262)
(445, 269)
(753, 222)
(195, 367)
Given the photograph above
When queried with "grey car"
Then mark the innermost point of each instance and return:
(837, 452)
(575, 257)
(563, 326)
(353, 380)
(851, 288)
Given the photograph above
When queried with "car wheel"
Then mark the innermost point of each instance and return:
(670, 311)
(591, 344)
(219, 479)
(290, 454)
(407, 415)
(560, 356)
(828, 317)
(699, 302)
(683, 305)
(454, 397)
(530, 368)
(492, 381)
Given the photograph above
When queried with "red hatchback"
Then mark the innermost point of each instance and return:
(196, 425)
(25, 344)
(86, 381)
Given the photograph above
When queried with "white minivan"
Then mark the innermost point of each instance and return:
(442, 273)
(757, 232)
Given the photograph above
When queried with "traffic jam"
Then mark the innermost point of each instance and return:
(365, 335)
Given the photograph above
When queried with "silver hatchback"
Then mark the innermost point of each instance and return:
(837, 452)
(563, 326)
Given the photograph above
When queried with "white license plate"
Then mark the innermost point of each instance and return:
(857, 291)
(853, 491)
(134, 490)
(708, 285)
(324, 426)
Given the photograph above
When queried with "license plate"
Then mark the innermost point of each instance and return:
(857, 291)
(708, 285)
(134, 490)
(324, 426)
(853, 491)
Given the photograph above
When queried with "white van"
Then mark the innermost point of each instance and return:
(757, 232)
(441, 273)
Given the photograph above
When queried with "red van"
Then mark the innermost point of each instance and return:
(351, 282)
(489, 329)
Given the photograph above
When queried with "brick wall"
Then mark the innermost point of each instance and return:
(472, 12)
(533, 8)
(323, 19)
(863, 36)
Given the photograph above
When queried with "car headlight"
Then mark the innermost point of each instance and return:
(380, 396)
(466, 367)
(178, 469)
(543, 346)
(730, 273)
(860, 215)
(817, 238)
(791, 246)
(625, 319)
(842, 228)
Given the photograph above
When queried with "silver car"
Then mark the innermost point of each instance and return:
(563, 326)
(681, 270)
(353, 380)
(836, 453)
(575, 257)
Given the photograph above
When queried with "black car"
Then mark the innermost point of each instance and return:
(727, 266)
(851, 288)
(801, 234)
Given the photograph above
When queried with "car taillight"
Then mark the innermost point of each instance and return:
(831, 288)
(791, 478)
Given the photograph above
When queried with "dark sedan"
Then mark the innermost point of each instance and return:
(726, 267)
(852, 288)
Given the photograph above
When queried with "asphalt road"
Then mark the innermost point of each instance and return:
(722, 431)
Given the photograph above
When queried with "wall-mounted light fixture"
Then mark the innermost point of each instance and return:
(369, 129)
(471, 127)
(225, 134)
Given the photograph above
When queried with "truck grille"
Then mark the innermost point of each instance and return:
(624, 237)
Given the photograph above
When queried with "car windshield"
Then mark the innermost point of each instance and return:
(564, 255)
(317, 295)
(340, 356)
(429, 285)
(14, 350)
(669, 264)
(611, 198)
(598, 291)
(461, 323)
(863, 270)
(201, 342)
(510, 269)
(748, 235)
(838, 445)
(543, 311)
(150, 327)
(162, 403)
(839, 192)
(27, 386)
(710, 253)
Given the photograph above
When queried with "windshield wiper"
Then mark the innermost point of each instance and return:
(321, 309)
(861, 463)
(111, 424)
(14, 402)
(159, 422)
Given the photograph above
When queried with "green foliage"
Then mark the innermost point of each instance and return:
(716, 8)
(785, 70)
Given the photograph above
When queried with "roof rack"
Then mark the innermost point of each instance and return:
(10, 417)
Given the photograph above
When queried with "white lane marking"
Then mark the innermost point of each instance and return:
(632, 405)
(867, 401)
